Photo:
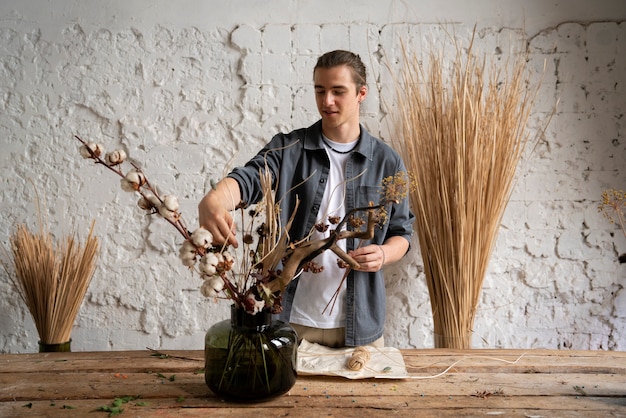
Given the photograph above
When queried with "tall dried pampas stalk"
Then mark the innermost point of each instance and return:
(52, 278)
(462, 137)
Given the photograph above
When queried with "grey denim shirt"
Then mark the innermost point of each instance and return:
(300, 167)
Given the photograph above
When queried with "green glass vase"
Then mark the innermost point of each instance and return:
(250, 357)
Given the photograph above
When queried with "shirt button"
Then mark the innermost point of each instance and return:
(315, 208)
(322, 181)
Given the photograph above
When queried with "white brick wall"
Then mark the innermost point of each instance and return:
(184, 89)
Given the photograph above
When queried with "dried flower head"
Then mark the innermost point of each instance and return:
(612, 208)
(397, 187)
(613, 205)
(334, 220)
(321, 227)
(253, 303)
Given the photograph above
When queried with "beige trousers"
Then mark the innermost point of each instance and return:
(330, 337)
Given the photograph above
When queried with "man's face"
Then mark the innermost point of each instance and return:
(336, 96)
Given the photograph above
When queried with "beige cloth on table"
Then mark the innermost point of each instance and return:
(315, 359)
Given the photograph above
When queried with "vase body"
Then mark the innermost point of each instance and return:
(52, 348)
(250, 357)
(455, 340)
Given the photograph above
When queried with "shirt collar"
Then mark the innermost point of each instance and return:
(313, 140)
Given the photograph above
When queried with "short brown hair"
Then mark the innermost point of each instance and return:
(339, 57)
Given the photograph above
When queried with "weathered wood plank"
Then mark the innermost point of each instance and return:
(332, 406)
(442, 383)
(52, 385)
(110, 361)
(424, 362)
(516, 361)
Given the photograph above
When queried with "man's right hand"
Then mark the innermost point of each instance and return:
(214, 211)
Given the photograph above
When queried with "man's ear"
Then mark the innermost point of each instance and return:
(362, 93)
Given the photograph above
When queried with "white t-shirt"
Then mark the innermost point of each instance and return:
(316, 290)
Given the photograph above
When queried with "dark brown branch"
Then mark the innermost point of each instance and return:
(300, 255)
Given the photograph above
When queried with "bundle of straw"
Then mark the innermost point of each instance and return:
(52, 279)
(462, 139)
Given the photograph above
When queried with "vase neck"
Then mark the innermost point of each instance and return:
(241, 319)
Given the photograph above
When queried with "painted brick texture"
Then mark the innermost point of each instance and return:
(191, 102)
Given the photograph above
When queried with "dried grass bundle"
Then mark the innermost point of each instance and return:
(462, 137)
(52, 278)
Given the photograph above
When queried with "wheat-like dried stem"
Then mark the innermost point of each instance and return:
(462, 138)
(52, 278)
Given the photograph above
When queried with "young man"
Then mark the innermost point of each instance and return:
(332, 166)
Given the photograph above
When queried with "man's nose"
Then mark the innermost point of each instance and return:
(329, 99)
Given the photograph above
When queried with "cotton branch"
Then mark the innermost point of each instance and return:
(140, 187)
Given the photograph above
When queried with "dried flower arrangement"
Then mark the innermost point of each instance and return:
(52, 279)
(612, 208)
(268, 264)
(462, 135)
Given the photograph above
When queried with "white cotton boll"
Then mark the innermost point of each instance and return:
(227, 257)
(115, 157)
(210, 258)
(135, 177)
(225, 261)
(97, 149)
(144, 203)
(187, 253)
(201, 238)
(208, 264)
(127, 186)
(153, 199)
(149, 201)
(212, 287)
(171, 203)
(206, 290)
(208, 269)
(188, 262)
(168, 214)
(133, 180)
(217, 283)
(84, 151)
(187, 247)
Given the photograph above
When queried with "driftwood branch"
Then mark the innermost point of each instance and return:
(296, 258)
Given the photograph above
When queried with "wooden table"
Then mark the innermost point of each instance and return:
(525, 383)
